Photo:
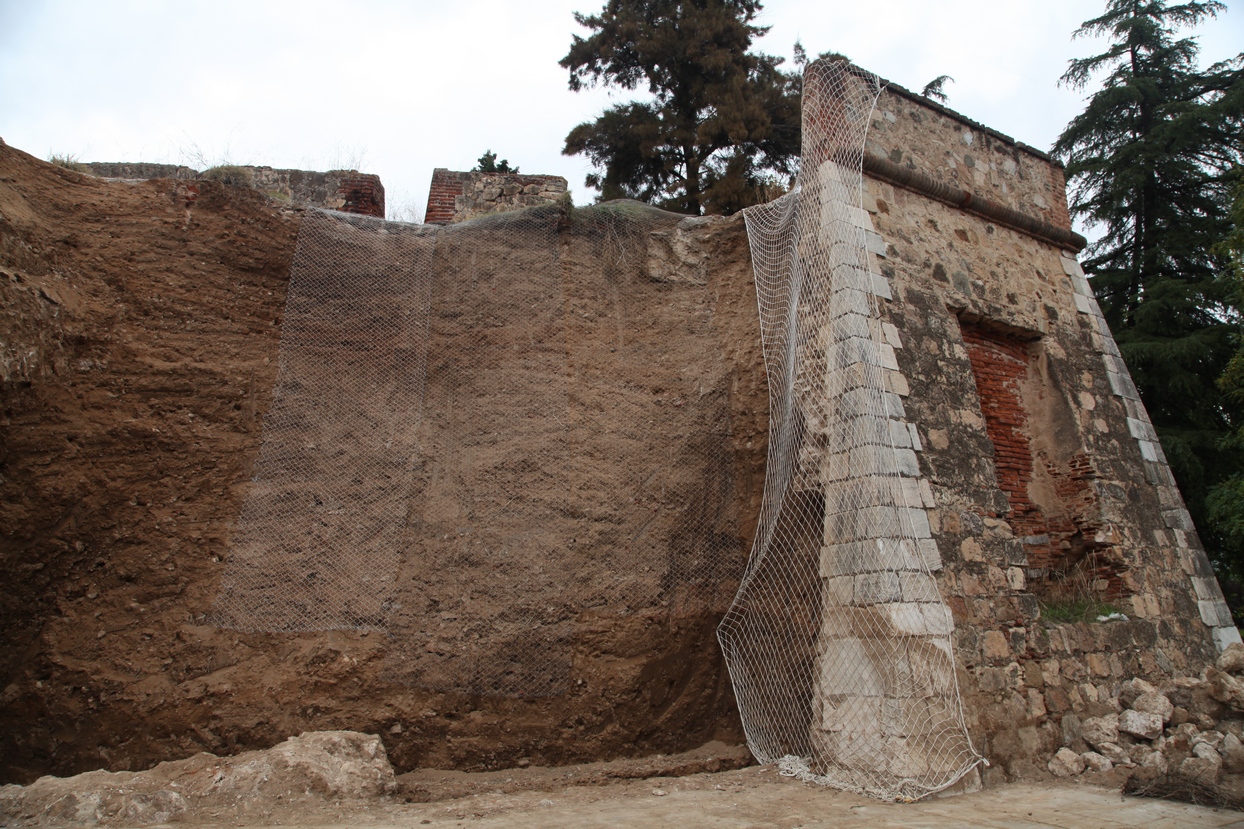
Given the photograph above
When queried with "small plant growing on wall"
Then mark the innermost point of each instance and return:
(229, 174)
(69, 162)
(488, 164)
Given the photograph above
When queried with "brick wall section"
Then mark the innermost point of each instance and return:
(447, 187)
(362, 193)
(999, 365)
(1053, 543)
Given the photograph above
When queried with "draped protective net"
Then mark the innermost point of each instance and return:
(838, 642)
(485, 437)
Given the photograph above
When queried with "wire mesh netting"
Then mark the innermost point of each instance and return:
(476, 454)
(838, 642)
(487, 435)
(320, 533)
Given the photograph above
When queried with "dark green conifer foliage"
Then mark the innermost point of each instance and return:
(722, 127)
(1149, 162)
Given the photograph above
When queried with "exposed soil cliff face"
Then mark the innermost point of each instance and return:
(141, 327)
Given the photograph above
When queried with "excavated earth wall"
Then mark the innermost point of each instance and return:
(141, 333)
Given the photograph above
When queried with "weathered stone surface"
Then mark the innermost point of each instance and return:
(1231, 660)
(1096, 762)
(1225, 688)
(1155, 761)
(1154, 704)
(1141, 724)
(1100, 731)
(341, 765)
(1115, 753)
(1232, 752)
(1066, 763)
(1204, 767)
(1133, 688)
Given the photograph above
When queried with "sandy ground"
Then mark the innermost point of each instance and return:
(759, 797)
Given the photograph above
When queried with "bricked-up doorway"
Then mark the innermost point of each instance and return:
(1041, 466)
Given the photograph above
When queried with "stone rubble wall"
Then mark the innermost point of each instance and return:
(456, 197)
(346, 190)
(1081, 476)
(919, 134)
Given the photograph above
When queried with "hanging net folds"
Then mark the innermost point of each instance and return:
(838, 642)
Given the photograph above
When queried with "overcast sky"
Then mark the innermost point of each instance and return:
(398, 88)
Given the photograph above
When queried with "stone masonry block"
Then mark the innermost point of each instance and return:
(1178, 519)
(853, 558)
(1207, 589)
(881, 287)
(910, 494)
(831, 172)
(1084, 305)
(1148, 450)
(897, 384)
(908, 465)
(890, 332)
(839, 590)
(1136, 410)
(915, 522)
(849, 301)
(847, 668)
(930, 556)
(915, 437)
(888, 358)
(852, 275)
(1071, 267)
(1122, 385)
(1141, 429)
(1225, 636)
(875, 243)
(918, 587)
(1214, 614)
(926, 494)
(877, 588)
(844, 326)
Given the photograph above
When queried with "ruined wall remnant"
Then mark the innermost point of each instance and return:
(456, 197)
(346, 190)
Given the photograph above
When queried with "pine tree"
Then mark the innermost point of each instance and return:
(1149, 162)
(722, 123)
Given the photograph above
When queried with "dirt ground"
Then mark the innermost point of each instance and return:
(141, 326)
(756, 797)
(340, 779)
(759, 798)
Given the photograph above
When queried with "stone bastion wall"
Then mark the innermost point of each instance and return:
(1048, 483)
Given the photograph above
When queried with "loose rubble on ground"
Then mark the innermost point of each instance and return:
(1189, 729)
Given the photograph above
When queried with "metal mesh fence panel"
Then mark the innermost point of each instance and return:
(838, 642)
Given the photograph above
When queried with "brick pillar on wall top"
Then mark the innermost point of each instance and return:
(442, 196)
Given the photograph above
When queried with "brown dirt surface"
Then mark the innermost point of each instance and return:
(141, 327)
(686, 790)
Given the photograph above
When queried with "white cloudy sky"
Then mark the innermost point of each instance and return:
(397, 88)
